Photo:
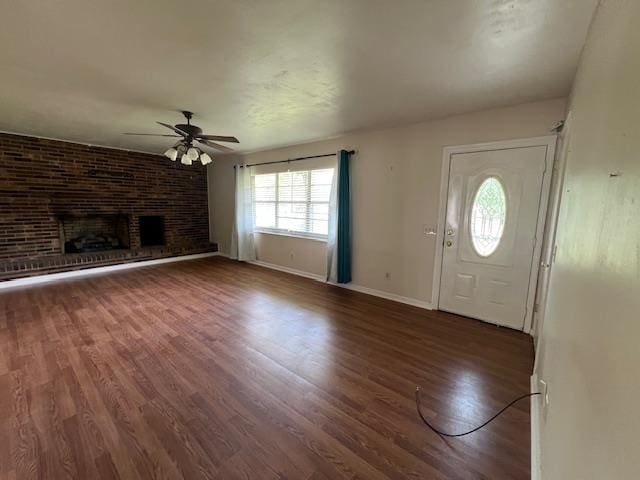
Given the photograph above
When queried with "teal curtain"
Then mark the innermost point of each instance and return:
(343, 264)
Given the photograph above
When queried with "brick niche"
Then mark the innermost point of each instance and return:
(43, 182)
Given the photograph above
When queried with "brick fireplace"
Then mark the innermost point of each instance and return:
(66, 206)
(94, 233)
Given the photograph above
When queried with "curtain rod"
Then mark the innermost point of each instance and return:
(350, 152)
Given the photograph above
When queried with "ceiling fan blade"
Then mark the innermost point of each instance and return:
(151, 134)
(217, 146)
(179, 132)
(219, 138)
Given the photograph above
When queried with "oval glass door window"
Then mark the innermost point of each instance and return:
(488, 214)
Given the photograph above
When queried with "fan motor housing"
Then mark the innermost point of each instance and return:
(190, 130)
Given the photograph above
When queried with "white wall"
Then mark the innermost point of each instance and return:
(395, 190)
(589, 350)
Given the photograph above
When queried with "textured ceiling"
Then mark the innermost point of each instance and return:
(275, 72)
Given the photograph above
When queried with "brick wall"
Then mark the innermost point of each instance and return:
(43, 180)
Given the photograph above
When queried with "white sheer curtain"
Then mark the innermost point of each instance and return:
(242, 244)
(332, 234)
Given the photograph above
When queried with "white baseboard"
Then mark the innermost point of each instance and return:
(52, 277)
(389, 296)
(293, 271)
(350, 286)
(536, 472)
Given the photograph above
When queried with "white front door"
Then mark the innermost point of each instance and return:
(493, 203)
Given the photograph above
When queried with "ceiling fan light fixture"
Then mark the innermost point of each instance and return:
(205, 158)
(193, 153)
(187, 135)
(171, 154)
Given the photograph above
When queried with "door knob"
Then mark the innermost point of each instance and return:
(449, 243)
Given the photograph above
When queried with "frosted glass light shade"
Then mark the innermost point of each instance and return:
(171, 154)
(193, 153)
(185, 160)
(205, 158)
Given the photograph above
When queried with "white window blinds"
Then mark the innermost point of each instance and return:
(293, 202)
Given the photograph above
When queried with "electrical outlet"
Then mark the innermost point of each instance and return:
(544, 392)
(387, 275)
(429, 231)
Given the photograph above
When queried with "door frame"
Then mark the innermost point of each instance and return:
(548, 141)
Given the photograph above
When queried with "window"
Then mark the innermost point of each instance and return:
(488, 215)
(293, 202)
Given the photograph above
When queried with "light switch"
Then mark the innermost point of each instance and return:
(429, 231)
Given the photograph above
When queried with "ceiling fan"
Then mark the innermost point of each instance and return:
(190, 134)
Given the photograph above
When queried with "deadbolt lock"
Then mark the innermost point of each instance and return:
(450, 232)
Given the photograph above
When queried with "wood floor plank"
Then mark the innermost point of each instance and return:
(215, 369)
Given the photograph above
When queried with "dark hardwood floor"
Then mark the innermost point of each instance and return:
(219, 370)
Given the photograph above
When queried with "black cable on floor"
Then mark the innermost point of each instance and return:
(522, 397)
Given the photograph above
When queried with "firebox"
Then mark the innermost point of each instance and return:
(93, 233)
(151, 231)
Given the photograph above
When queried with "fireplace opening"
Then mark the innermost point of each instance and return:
(94, 233)
(151, 231)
